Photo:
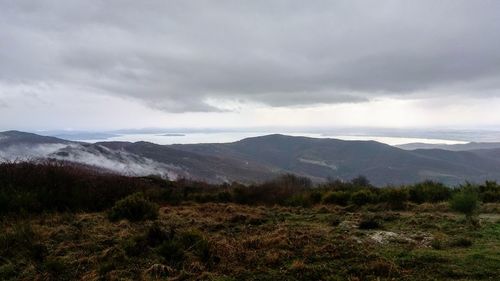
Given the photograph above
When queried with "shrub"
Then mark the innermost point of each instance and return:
(61, 186)
(299, 200)
(315, 197)
(395, 197)
(277, 191)
(489, 192)
(133, 208)
(429, 191)
(172, 251)
(224, 197)
(135, 246)
(465, 202)
(490, 196)
(362, 197)
(336, 197)
(156, 234)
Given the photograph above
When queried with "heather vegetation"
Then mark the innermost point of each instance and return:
(64, 222)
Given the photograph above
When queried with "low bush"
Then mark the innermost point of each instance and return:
(315, 197)
(429, 191)
(337, 197)
(465, 202)
(489, 192)
(59, 186)
(172, 251)
(299, 200)
(156, 234)
(133, 208)
(396, 198)
(135, 246)
(363, 197)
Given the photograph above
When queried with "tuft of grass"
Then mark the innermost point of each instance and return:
(172, 251)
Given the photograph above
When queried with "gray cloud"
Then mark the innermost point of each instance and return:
(175, 55)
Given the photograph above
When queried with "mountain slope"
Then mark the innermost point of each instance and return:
(383, 164)
(9, 138)
(213, 168)
(262, 158)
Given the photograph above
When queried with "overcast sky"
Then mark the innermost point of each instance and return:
(95, 64)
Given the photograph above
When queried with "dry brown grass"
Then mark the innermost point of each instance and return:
(244, 242)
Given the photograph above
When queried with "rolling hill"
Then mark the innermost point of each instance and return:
(262, 158)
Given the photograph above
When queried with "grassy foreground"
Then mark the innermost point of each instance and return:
(225, 241)
(64, 222)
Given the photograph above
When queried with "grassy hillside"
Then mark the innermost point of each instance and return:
(67, 222)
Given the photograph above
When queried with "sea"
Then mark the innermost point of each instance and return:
(225, 137)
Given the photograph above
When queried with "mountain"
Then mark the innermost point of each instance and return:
(262, 158)
(140, 158)
(9, 138)
(452, 147)
(381, 163)
(212, 168)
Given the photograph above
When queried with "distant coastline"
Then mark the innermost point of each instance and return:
(172, 135)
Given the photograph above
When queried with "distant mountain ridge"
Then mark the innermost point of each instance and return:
(261, 158)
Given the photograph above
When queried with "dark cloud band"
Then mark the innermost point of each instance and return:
(174, 55)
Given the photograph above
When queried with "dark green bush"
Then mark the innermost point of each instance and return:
(363, 197)
(299, 200)
(172, 251)
(337, 197)
(465, 202)
(135, 246)
(59, 186)
(156, 235)
(277, 191)
(224, 196)
(429, 191)
(396, 198)
(489, 192)
(315, 197)
(133, 208)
